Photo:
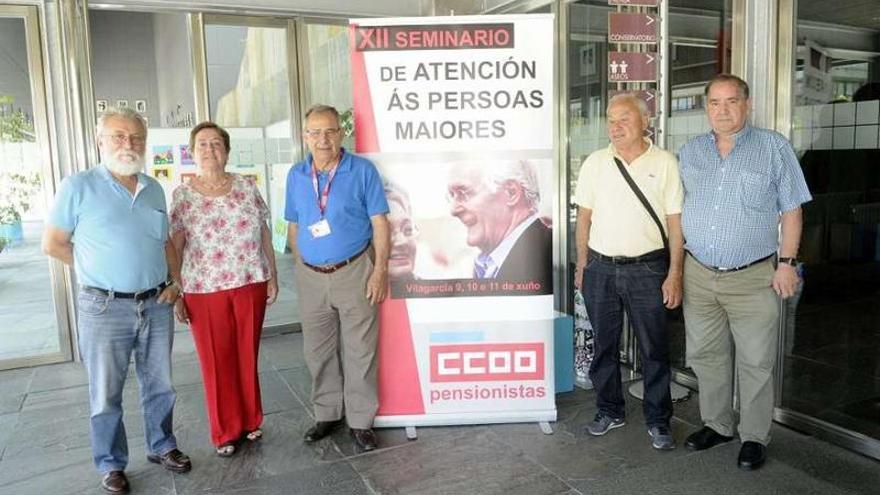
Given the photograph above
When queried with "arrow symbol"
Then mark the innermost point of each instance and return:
(649, 96)
(650, 20)
(650, 59)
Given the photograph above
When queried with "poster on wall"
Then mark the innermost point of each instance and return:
(163, 155)
(457, 114)
(186, 157)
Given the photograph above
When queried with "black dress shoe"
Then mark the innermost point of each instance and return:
(115, 482)
(752, 456)
(321, 430)
(173, 460)
(705, 438)
(364, 439)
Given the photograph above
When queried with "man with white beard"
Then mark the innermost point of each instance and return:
(110, 224)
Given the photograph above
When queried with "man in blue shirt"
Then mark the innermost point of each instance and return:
(110, 224)
(741, 183)
(336, 207)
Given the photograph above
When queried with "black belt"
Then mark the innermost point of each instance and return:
(657, 255)
(137, 296)
(337, 266)
(728, 270)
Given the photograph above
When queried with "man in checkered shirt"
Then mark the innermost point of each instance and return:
(741, 183)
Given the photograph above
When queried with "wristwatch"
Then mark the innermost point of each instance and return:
(788, 260)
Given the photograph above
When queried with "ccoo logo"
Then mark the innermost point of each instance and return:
(487, 362)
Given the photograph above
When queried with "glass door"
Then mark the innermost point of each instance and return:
(251, 67)
(34, 326)
(830, 350)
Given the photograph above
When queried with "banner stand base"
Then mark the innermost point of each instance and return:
(545, 427)
(679, 393)
(411, 433)
(486, 418)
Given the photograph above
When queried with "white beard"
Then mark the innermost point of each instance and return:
(117, 166)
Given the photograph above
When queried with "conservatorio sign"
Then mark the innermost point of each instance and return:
(457, 113)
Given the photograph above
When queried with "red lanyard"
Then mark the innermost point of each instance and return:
(324, 196)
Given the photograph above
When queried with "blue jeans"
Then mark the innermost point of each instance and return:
(109, 331)
(609, 290)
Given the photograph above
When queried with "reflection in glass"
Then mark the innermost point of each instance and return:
(832, 331)
(328, 78)
(249, 93)
(28, 326)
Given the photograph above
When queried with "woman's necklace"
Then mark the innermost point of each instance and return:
(216, 186)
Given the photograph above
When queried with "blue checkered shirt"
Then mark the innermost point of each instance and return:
(732, 205)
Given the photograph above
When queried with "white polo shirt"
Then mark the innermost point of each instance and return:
(621, 226)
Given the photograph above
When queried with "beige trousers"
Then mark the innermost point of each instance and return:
(340, 337)
(726, 315)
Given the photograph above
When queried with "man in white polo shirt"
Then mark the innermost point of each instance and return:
(623, 264)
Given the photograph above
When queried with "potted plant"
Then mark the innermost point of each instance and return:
(17, 192)
(18, 189)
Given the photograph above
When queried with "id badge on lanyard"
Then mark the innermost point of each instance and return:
(321, 228)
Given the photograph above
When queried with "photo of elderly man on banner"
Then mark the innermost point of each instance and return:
(472, 222)
(457, 115)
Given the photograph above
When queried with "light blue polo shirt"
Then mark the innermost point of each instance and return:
(118, 240)
(356, 194)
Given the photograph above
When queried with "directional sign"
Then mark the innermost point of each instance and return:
(632, 67)
(632, 28)
(635, 3)
(649, 95)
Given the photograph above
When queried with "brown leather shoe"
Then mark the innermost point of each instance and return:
(321, 430)
(115, 482)
(173, 460)
(364, 439)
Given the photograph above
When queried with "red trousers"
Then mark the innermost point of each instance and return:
(226, 327)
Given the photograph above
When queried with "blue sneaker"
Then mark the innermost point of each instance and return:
(601, 424)
(661, 438)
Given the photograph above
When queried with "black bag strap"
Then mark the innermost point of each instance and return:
(644, 200)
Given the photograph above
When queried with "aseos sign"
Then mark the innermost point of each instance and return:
(632, 67)
(632, 28)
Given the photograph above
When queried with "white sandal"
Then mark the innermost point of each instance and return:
(255, 435)
(226, 450)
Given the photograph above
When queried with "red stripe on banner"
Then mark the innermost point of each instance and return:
(400, 391)
(366, 140)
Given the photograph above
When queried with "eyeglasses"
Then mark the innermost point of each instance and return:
(460, 195)
(406, 231)
(214, 143)
(328, 133)
(119, 139)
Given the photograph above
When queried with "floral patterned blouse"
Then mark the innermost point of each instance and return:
(223, 236)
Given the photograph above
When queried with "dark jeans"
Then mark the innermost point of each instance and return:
(609, 290)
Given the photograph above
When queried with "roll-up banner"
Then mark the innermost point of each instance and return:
(457, 114)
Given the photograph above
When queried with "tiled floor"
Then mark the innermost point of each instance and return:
(45, 448)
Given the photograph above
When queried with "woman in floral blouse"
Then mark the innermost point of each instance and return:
(219, 224)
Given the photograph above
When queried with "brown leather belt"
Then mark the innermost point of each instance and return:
(337, 266)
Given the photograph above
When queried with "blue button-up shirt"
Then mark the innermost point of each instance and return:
(356, 194)
(118, 239)
(732, 205)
